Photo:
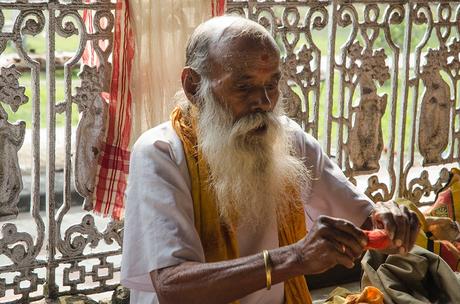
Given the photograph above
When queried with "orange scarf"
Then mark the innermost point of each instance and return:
(219, 240)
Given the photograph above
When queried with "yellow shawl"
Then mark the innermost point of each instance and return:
(219, 240)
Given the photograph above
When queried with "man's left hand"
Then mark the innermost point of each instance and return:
(401, 224)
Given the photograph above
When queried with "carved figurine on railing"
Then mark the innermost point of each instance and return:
(90, 132)
(433, 136)
(365, 142)
(11, 140)
(292, 100)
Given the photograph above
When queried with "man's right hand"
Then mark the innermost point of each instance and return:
(329, 242)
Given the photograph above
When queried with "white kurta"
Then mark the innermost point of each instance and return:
(159, 221)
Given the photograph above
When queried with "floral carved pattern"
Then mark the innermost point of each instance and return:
(421, 186)
(77, 237)
(18, 246)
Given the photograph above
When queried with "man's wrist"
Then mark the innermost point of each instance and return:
(297, 258)
(286, 262)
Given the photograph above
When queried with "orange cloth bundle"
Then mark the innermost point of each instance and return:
(370, 295)
(378, 239)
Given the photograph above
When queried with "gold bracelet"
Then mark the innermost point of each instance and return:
(268, 269)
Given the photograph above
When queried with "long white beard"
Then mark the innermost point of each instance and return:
(249, 172)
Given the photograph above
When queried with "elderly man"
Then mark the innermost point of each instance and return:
(219, 197)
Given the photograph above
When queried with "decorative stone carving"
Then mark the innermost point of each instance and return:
(81, 270)
(103, 266)
(114, 232)
(18, 246)
(10, 92)
(31, 278)
(365, 142)
(90, 132)
(19, 250)
(11, 140)
(377, 191)
(76, 299)
(77, 237)
(433, 136)
(120, 295)
(296, 68)
(421, 186)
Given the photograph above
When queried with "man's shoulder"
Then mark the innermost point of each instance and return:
(298, 135)
(162, 132)
(159, 138)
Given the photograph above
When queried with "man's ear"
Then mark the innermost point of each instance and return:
(190, 83)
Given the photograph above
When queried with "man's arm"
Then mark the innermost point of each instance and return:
(334, 195)
(329, 242)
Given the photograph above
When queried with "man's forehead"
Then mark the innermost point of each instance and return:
(243, 53)
(237, 43)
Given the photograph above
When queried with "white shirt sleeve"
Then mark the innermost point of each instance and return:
(159, 225)
(331, 193)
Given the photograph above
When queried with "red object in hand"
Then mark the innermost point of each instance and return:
(378, 239)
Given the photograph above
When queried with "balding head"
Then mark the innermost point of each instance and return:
(213, 40)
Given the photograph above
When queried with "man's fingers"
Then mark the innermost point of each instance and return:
(345, 243)
(345, 229)
(415, 227)
(411, 230)
(402, 227)
(386, 220)
(344, 259)
(407, 240)
(340, 254)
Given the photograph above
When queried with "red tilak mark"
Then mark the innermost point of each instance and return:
(377, 239)
(264, 57)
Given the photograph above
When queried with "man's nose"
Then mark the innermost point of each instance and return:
(261, 102)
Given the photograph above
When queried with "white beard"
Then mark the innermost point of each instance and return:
(249, 172)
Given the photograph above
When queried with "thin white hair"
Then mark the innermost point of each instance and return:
(216, 31)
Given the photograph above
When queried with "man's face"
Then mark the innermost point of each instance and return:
(244, 75)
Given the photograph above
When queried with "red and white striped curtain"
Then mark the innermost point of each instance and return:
(148, 56)
(218, 7)
(113, 164)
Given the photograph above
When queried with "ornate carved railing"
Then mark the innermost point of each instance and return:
(377, 82)
(29, 269)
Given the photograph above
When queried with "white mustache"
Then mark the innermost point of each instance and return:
(254, 121)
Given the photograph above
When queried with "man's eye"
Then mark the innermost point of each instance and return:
(243, 87)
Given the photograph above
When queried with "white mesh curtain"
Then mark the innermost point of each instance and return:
(161, 29)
